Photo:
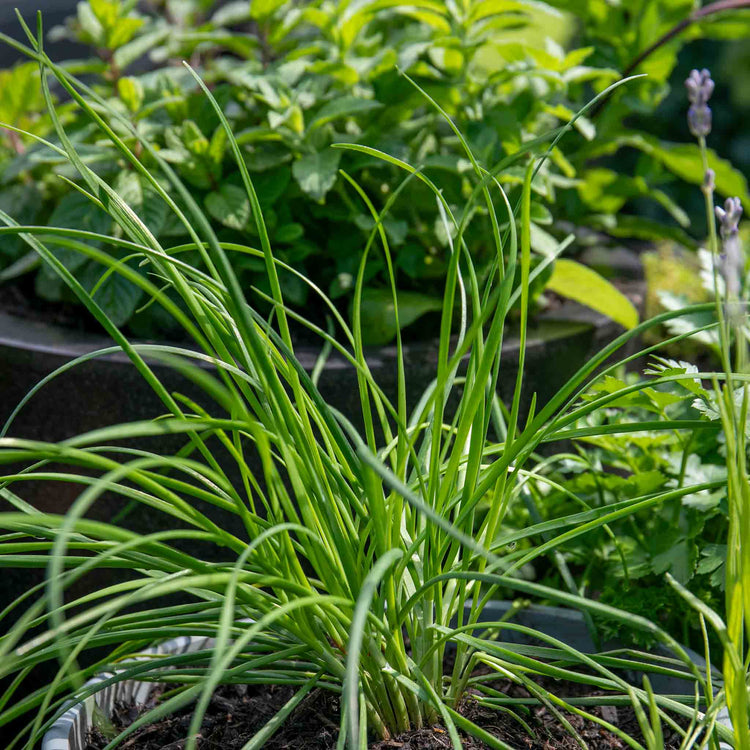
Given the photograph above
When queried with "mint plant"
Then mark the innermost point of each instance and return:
(297, 78)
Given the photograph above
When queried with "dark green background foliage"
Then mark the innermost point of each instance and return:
(296, 77)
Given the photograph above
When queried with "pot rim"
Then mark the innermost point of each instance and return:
(69, 731)
(48, 338)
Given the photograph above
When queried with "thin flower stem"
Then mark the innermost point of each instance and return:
(713, 242)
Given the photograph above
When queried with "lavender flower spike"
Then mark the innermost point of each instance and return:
(729, 217)
(699, 87)
(733, 266)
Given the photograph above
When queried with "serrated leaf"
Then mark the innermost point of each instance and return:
(644, 483)
(703, 500)
(378, 314)
(344, 106)
(710, 408)
(577, 282)
(76, 211)
(607, 385)
(117, 296)
(713, 563)
(679, 560)
(230, 206)
(316, 173)
(712, 556)
(664, 367)
(659, 399)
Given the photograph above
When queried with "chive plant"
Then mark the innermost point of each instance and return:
(363, 558)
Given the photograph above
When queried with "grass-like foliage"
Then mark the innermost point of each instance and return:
(362, 558)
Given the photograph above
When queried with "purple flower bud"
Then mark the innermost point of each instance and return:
(733, 261)
(729, 216)
(699, 89)
(709, 180)
(699, 120)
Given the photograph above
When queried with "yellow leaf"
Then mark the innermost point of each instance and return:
(583, 285)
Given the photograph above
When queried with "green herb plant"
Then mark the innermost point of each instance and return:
(624, 563)
(293, 78)
(702, 537)
(352, 561)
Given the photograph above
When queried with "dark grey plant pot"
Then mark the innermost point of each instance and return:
(70, 730)
(54, 13)
(109, 391)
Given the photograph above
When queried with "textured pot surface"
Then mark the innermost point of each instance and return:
(70, 730)
(108, 391)
(54, 13)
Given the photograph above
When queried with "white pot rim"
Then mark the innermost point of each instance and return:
(71, 729)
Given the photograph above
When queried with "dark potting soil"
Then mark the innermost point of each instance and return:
(236, 712)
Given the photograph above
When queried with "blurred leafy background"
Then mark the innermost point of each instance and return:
(295, 77)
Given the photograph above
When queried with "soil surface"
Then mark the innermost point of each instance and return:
(236, 712)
